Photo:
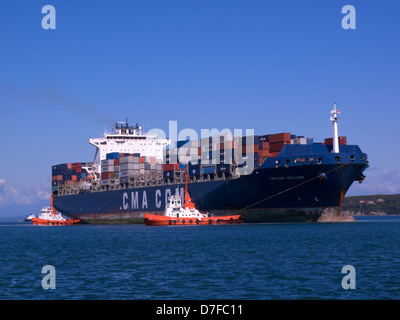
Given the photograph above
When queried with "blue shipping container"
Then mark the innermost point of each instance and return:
(169, 174)
(223, 168)
(208, 170)
(182, 166)
(194, 171)
(264, 138)
(252, 140)
(112, 155)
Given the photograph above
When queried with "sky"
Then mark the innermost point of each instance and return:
(271, 66)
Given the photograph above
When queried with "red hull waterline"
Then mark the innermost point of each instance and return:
(43, 222)
(159, 220)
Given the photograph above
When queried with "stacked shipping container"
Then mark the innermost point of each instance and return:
(209, 156)
(135, 165)
(68, 173)
(342, 141)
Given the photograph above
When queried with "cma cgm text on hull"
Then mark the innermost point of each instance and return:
(275, 177)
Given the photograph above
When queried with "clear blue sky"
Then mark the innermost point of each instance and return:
(271, 66)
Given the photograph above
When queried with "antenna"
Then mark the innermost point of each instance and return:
(334, 119)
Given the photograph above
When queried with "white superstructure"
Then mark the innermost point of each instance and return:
(174, 209)
(128, 139)
(47, 214)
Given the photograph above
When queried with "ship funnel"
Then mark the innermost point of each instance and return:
(334, 119)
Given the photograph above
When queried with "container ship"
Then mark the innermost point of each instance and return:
(278, 177)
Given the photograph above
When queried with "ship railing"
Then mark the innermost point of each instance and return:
(147, 180)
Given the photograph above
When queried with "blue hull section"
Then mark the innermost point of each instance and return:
(272, 193)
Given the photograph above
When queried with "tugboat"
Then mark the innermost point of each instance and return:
(30, 217)
(176, 215)
(50, 217)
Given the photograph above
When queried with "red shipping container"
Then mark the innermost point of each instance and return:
(141, 159)
(107, 175)
(69, 165)
(116, 162)
(342, 141)
(73, 178)
(78, 170)
(227, 145)
(265, 145)
(250, 148)
(277, 147)
(170, 166)
(279, 137)
(264, 153)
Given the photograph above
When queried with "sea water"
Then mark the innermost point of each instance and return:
(246, 261)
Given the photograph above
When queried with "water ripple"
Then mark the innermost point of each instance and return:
(266, 261)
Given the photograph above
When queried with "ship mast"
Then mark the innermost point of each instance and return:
(189, 204)
(334, 119)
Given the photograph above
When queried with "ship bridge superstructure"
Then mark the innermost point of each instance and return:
(128, 139)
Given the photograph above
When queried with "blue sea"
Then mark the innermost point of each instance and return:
(247, 261)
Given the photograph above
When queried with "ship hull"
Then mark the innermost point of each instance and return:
(46, 222)
(162, 220)
(292, 194)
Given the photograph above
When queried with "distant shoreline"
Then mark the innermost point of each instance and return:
(371, 205)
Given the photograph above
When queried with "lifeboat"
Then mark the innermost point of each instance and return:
(176, 214)
(50, 217)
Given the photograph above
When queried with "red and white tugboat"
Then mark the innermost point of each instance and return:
(175, 214)
(50, 217)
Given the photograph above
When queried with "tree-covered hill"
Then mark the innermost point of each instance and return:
(378, 204)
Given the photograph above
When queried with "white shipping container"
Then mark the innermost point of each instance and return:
(194, 143)
(302, 140)
(107, 168)
(126, 166)
(126, 160)
(126, 173)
